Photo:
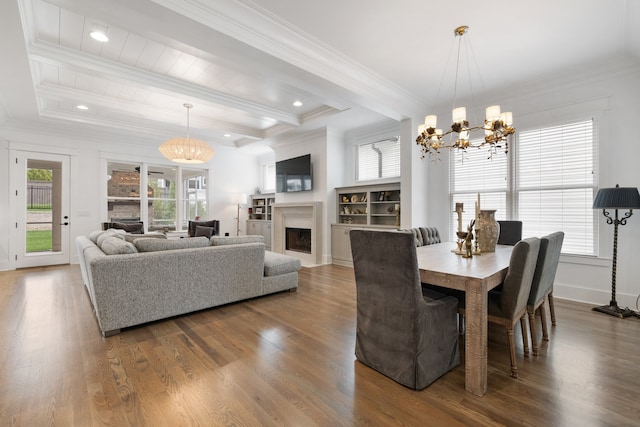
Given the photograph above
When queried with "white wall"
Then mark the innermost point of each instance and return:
(613, 95)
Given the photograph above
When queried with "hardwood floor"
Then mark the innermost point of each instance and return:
(286, 359)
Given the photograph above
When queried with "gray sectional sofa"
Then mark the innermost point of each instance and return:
(131, 281)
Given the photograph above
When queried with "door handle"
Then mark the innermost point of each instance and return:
(64, 223)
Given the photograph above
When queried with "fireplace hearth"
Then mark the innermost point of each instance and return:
(298, 240)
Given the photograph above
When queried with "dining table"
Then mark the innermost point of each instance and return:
(439, 265)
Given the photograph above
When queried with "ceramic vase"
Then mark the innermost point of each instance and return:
(488, 230)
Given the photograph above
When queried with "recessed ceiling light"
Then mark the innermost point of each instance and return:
(82, 107)
(297, 103)
(227, 135)
(99, 34)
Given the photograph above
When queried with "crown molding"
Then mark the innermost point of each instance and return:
(249, 23)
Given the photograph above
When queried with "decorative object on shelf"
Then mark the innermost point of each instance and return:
(257, 190)
(616, 198)
(345, 199)
(354, 198)
(240, 199)
(497, 126)
(363, 199)
(381, 196)
(347, 210)
(259, 210)
(487, 230)
(187, 150)
(396, 207)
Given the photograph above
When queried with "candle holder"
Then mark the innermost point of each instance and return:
(462, 236)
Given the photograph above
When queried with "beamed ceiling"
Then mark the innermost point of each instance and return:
(243, 63)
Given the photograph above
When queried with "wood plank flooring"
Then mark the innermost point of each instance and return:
(286, 360)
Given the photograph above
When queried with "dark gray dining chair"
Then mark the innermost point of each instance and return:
(510, 232)
(400, 333)
(542, 285)
(507, 307)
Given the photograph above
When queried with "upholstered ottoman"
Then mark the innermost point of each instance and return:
(280, 272)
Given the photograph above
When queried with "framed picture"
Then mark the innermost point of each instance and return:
(258, 210)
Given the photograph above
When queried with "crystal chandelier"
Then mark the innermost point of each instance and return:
(497, 126)
(187, 150)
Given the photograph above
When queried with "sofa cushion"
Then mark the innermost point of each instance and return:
(227, 240)
(276, 264)
(113, 245)
(154, 234)
(152, 245)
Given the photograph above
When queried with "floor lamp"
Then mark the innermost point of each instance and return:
(240, 199)
(616, 198)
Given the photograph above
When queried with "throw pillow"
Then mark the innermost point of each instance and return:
(106, 234)
(204, 231)
(226, 240)
(151, 245)
(112, 245)
(153, 234)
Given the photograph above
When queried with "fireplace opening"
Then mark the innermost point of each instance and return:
(298, 240)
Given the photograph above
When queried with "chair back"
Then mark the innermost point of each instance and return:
(214, 223)
(510, 232)
(387, 280)
(517, 283)
(546, 267)
(430, 235)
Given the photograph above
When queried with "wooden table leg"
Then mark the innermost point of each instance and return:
(476, 338)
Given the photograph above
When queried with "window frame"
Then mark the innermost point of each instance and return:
(514, 188)
(381, 166)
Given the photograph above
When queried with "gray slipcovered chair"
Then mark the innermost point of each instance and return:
(542, 285)
(400, 333)
(510, 232)
(507, 307)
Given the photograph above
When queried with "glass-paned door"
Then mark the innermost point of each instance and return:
(42, 223)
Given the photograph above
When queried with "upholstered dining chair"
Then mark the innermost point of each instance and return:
(510, 232)
(542, 285)
(507, 307)
(400, 333)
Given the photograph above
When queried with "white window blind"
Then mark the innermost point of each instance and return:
(556, 183)
(269, 177)
(473, 172)
(379, 159)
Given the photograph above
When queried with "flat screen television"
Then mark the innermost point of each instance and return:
(294, 174)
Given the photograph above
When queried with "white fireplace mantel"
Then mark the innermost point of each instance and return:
(298, 215)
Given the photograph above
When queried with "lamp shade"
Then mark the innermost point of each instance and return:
(617, 198)
(187, 150)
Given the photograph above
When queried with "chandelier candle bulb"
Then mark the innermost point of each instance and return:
(493, 113)
(459, 114)
(430, 121)
(507, 118)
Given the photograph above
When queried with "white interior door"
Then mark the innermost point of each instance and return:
(42, 235)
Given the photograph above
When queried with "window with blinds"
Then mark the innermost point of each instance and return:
(379, 159)
(556, 183)
(551, 187)
(473, 172)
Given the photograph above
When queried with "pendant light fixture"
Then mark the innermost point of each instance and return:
(187, 150)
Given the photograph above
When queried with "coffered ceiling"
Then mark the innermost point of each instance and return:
(243, 63)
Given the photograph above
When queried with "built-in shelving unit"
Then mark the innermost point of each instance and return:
(366, 206)
(260, 208)
(369, 205)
